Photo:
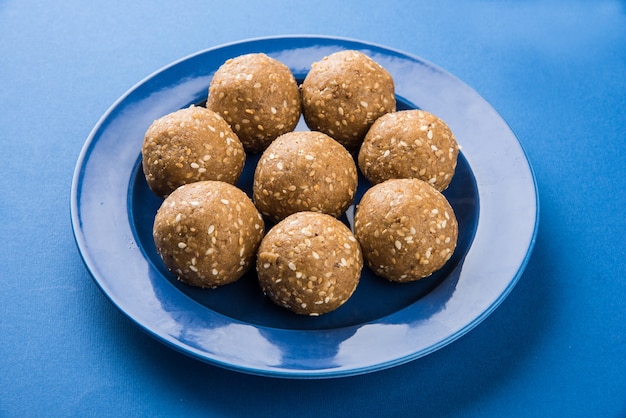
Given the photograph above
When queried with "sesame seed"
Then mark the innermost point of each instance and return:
(398, 244)
(182, 245)
(224, 201)
(291, 266)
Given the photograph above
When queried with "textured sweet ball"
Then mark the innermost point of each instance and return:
(207, 233)
(406, 228)
(258, 96)
(304, 171)
(309, 263)
(344, 93)
(190, 145)
(409, 144)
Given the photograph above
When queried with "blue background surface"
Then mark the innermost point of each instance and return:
(556, 72)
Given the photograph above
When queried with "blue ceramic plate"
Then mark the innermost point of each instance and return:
(493, 195)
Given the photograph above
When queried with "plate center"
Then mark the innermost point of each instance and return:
(374, 297)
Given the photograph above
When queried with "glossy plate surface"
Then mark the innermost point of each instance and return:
(493, 195)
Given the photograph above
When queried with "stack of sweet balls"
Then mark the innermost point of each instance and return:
(209, 233)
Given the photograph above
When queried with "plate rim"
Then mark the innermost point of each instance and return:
(288, 373)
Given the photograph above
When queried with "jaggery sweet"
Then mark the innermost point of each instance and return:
(344, 93)
(189, 145)
(207, 233)
(409, 144)
(258, 96)
(304, 171)
(407, 229)
(309, 263)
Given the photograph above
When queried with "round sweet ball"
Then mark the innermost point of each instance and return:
(258, 96)
(344, 93)
(309, 263)
(207, 233)
(409, 144)
(406, 228)
(189, 145)
(304, 171)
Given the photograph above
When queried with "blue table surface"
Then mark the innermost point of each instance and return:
(554, 70)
